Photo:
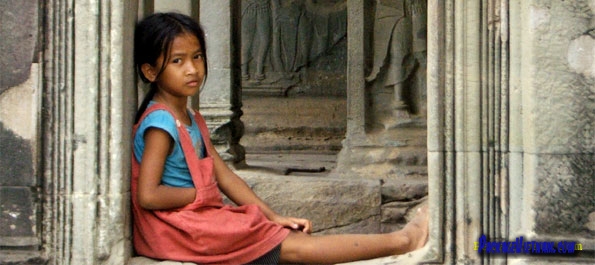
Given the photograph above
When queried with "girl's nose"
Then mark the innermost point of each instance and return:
(192, 68)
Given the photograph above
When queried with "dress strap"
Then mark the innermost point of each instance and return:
(204, 130)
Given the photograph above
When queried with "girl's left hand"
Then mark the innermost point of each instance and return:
(300, 224)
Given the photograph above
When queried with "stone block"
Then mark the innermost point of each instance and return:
(148, 261)
(18, 215)
(406, 189)
(368, 226)
(114, 229)
(328, 202)
(395, 215)
(16, 159)
(18, 32)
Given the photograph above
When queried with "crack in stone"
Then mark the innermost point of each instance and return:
(346, 225)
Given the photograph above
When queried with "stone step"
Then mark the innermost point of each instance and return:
(256, 144)
(282, 112)
(307, 163)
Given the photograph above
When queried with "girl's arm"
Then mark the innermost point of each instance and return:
(239, 192)
(151, 194)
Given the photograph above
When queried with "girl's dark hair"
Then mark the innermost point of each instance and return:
(153, 37)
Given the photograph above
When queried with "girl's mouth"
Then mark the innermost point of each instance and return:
(192, 83)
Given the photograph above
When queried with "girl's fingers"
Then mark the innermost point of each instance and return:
(305, 225)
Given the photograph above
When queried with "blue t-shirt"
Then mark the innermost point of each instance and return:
(175, 172)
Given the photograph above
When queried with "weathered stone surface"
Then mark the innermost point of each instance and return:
(581, 54)
(18, 213)
(564, 193)
(407, 189)
(16, 159)
(560, 93)
(591, 222)
(395, 215)
(371, 225)
(300, 123)
(297, 46)
(327, 202)
(148, 261)
(20, 106)
(18, 32)
(189, 7)
(23, 258)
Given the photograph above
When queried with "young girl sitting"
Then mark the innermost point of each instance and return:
(177, 175)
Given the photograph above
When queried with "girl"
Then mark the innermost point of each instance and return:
(177, 175)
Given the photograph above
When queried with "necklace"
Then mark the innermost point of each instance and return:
(179, 114)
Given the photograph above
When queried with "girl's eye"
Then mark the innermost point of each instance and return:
(198, 56)
(176, 60)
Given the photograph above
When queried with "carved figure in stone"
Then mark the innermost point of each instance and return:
(399, 42)
(279, 37)
(304, 29)
(289, 33)
(256, 35)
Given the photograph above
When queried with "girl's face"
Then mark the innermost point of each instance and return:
(184, 71)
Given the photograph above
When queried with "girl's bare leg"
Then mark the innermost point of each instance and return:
(303, 248)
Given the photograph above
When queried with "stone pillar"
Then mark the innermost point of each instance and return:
(355, 136)
(88, 105)
(454, 130)
(220, 99)
(355, 72)
(440, 182)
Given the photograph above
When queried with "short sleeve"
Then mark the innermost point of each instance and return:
(159, 119)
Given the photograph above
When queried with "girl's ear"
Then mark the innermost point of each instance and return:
(149, 72)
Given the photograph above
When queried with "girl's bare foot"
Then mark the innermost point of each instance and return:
(416, 231)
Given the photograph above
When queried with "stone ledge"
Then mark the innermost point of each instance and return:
(147, 261)
(409, 258)
(22, 257)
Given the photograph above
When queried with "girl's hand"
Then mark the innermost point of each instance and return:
(300, 224)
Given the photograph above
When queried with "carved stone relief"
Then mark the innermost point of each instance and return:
(280, 37)
(19, 193)
(18, 22)
(399, 56)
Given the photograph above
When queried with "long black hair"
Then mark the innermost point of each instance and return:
(153, 37)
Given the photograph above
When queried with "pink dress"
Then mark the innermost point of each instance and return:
(204, 231)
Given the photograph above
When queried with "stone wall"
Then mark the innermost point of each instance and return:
(20, 185)
(558, 82)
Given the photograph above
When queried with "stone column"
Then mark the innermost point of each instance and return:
(355, 135)
(454, 130)
(88, 105)
(438, 87)
(355, 72)
(220, 99)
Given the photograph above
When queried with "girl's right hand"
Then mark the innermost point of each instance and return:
(299, 224)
